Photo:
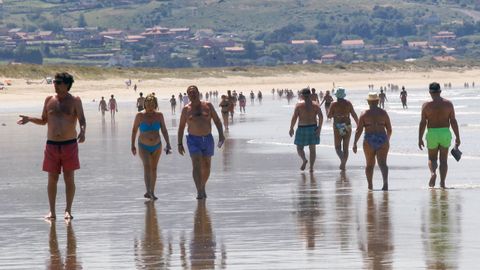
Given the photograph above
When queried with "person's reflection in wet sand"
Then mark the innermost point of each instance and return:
(309, 209)
(202, 245)
(228, 147)
(183, 252)
(174, 122)
(441, 231)
(149, 250)
(113, 129)
(377, 242)
(343, 210)
(104, 127)
(55, 262)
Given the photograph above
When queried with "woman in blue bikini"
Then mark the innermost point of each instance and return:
(376, 144)
(150, 122)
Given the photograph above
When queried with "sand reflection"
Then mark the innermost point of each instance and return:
(202, 245)
(308, 211)
(375, 239)
(227, 149)
(55, 261)
(343, 210)
(149, 250)
(441, 231)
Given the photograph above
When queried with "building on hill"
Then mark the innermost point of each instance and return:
(301, 42)
(329, 58)
(78, 33)
(444, 58)
(444, 37)
(351, 44)
(418, 44)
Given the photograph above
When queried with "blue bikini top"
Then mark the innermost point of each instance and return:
(145, 127)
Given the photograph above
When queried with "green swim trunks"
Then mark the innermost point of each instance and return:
(438, 137)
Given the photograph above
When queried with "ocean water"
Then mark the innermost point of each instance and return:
(262, 211)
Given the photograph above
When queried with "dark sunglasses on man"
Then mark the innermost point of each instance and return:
(57, 81)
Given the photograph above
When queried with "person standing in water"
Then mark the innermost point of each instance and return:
(61, 113)
(150, 122)
(102, 106)
(340, 111)
(438, 116)
(308, 130)
(112, 105)
(376, 143)
(198, 116)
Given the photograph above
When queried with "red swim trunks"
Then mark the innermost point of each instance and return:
(60, 155)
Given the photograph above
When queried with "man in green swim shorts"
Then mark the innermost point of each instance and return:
(438, 116)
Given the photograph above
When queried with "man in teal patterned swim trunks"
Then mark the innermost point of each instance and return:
(308, 130)
(438, 116)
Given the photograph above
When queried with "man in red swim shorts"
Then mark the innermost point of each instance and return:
(60, 113)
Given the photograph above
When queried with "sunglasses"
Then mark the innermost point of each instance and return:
(57, 81)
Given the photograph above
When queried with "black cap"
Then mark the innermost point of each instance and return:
(434, 87)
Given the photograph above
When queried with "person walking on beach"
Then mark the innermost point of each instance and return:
(198, 116)
(314, 96)
(61, 113)
(376, 143)
(242, 101)
(340, 111)
(186, 99)
(173, 104)
(225, 106)
(102, 106)
(327, 99)
(383, 97)
(150, 122)
(308, 130)
(140, 102)
(112, 105)
(438, 116)
(403, 97)
(259, 97)
(233, 102)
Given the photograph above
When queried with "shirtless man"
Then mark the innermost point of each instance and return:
(308, 130)
(140, 102)
(102, 106)
(376, 143)
(60, 113)
(314, 96)
(112, 105)
(438, 116)
(340, 111)
(198, 116)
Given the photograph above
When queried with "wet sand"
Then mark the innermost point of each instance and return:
(261, 211)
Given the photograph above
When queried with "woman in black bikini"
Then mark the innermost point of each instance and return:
(225, 105)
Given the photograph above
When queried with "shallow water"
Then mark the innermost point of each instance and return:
(262, 212)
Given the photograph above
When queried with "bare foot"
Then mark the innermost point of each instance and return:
(442, 185)
(68, 216)
(385, 187)
(342, 166)
(146, 195)
(370, 186)
(433, 178)
(50, 216)
(200, 196)
(304, 165)
(153, 197)
(311, 169)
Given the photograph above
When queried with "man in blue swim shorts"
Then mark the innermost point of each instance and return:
(198, 116)
(308, 130)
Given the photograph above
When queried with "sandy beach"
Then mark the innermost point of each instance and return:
(94, 89)
(262, 212)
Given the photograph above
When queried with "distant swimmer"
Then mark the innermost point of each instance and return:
(376, 144)
(383, 97)
(403, 97)
(438, 116)
(102, 106)
(308, 130)
(340, 111)
(150, 122)
(112, 105)
(225, 107)
(327, 99)
(140, 101)
(61, 113)
(198, 116)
